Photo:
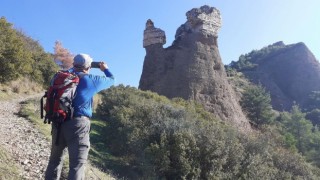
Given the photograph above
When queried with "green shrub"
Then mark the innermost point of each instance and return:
(158, 138)
(21, 56)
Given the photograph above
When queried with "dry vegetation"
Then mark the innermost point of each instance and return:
(20, 87)
(8, 169)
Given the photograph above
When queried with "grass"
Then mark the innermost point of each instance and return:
(20, 87)
(8, 169)
(31, 110)
(99, 152)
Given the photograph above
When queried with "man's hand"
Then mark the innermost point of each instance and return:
(103, 66)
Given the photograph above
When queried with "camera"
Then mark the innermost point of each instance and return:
(95, 65)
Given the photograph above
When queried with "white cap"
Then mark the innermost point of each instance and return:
(82, 61)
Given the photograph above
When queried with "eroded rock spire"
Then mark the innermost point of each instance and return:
(153, 35)
(191, 68)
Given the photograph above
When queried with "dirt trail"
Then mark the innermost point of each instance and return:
(27, 145)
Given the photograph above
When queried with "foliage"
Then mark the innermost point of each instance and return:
(158, 138)
(19, 88)
(13, 58)
(314, 117)
(230, 71)
(301, 134)
(256, 102)
(243, 64)
(313, 101)
(251, 60)
(299, 127)
(20, 56)
(297, 130)
(62, 56)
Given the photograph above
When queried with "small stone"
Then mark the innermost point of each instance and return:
(25, 162)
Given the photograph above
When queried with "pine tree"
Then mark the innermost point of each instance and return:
(314, 117)
(256, 102)
(313, 101)
(300, 128)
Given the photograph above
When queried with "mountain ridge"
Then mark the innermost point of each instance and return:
(289, 72)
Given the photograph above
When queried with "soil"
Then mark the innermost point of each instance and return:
(28, 147)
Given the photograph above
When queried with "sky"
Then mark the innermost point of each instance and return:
(112, 31)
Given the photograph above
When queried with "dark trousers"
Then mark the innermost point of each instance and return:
(74, 135)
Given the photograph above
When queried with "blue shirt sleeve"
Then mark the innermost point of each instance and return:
(108, 73)
(103, 82)
(88, 86)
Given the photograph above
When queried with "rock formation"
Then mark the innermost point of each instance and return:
(191, 68)
(289, 72)
(153, 35)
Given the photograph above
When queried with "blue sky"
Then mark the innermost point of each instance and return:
(112, 31)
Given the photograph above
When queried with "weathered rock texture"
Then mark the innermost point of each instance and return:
(289, 72)
(153, 35)
(192, 68)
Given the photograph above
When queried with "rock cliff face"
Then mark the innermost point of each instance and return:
(289, 72)
(191, 68)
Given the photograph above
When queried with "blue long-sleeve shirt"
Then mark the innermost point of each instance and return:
(88, 86)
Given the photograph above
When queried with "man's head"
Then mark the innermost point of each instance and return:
(82, 62)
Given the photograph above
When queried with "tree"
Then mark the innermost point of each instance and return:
(15, 60)
(43, 67)
(21, 56)
(314, 117)
(256, 102)
(300, 128)
(62, 56)
(313, 101)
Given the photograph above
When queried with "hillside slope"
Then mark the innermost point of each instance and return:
(289, 72)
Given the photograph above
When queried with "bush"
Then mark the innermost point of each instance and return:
(158, 138)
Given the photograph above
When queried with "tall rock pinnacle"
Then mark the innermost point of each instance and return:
(191, 68)
(153, 35)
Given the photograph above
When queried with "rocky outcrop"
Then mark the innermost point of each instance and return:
(191, 68)
(205, 20)
(289, 72)
(153, 35)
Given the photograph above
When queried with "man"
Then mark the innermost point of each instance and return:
(74, 133)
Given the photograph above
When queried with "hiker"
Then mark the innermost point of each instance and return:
(74, 132)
